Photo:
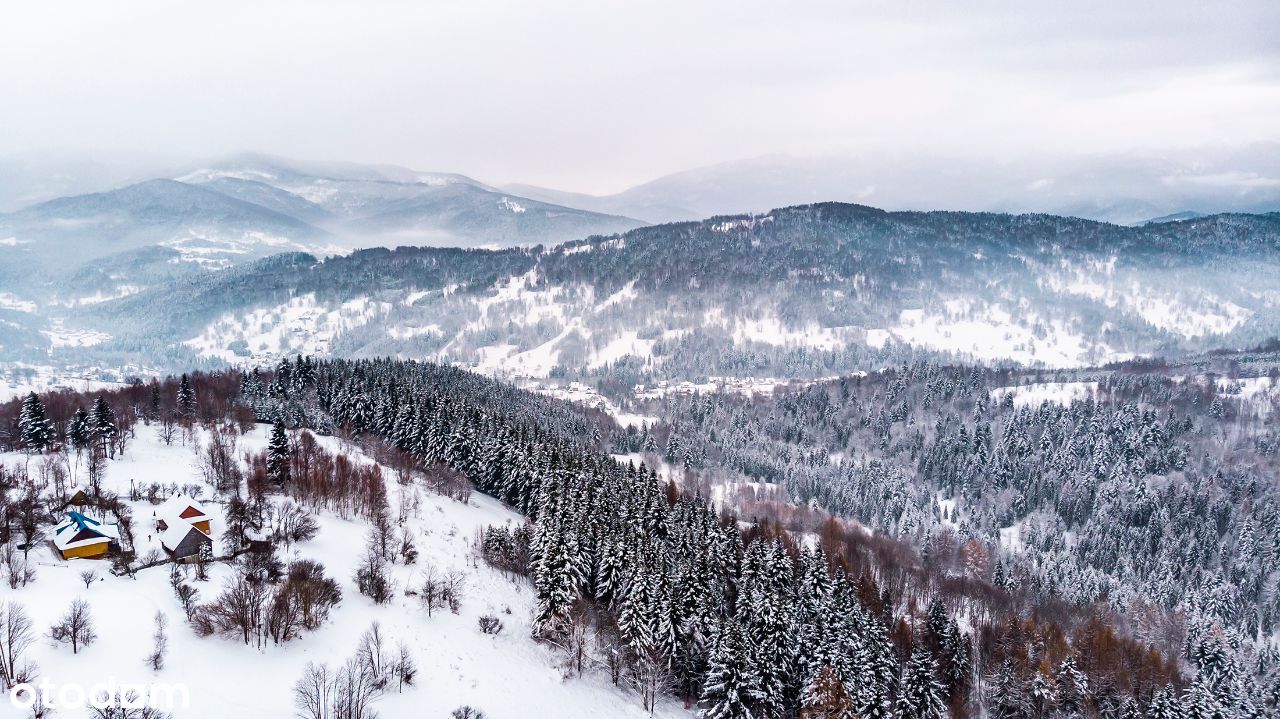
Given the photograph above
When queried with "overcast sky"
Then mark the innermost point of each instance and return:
(595, 96)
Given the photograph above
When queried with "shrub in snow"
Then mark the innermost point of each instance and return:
(373, 579)
(120, 709)
(252, 608)
(466, 712)
(18, 572)
(292, 523)
(442, 589)
(489, 624)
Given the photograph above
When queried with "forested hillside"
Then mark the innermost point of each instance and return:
(801, 292)
(927, 565)
(704, 605)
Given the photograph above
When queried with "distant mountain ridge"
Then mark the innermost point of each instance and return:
(387, 205)
(810, 290)
(1123, 189)
(251, 206)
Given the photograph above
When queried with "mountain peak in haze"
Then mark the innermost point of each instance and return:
(1121, 188)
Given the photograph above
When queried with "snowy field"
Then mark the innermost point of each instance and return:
(1033, 395)
(17, 379)
(507, 675)
(991, 333)
(301, 325)
(1192, 313)
(1258, 396)
(579, 393)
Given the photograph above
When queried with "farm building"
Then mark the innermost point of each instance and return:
(78, 498)
(80, 537)
(184, 541)
(181, 510)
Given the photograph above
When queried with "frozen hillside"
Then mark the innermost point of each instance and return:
(507, 675)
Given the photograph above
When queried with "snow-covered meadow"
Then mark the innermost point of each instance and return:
(505, 675)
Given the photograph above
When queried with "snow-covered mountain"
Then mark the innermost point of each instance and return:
(807, 291)
(82, 249)
(155, 212)
(1125, 189)
(370, 205)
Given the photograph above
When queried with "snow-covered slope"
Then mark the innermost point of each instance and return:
(509, 676)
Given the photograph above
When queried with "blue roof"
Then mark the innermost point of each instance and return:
(84, 522)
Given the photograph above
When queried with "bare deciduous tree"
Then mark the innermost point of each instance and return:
(374, 657)
(577, 637)
(441, 589)
(75, 627)
(18, 572)
(16, 637)
(160, 642)
(311, 693)
(347, 692)
(406, 669)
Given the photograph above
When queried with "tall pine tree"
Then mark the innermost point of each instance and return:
(35, 428)
(102, 426)
(920, 696)
(732, 687)
(278, 454)
(186, 398)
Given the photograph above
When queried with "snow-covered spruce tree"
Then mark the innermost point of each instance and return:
(278, 455)
(79, 431)
(732, 688)
(876, 672)
(764, 610)
(186, 398)
(920, 696)
(153, 403)
(1164, 704)
(1072, 688)
(1006, 694)
(35, 428)
(282, 383)
(1043, 694)
(557, 577)
(102, 426)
